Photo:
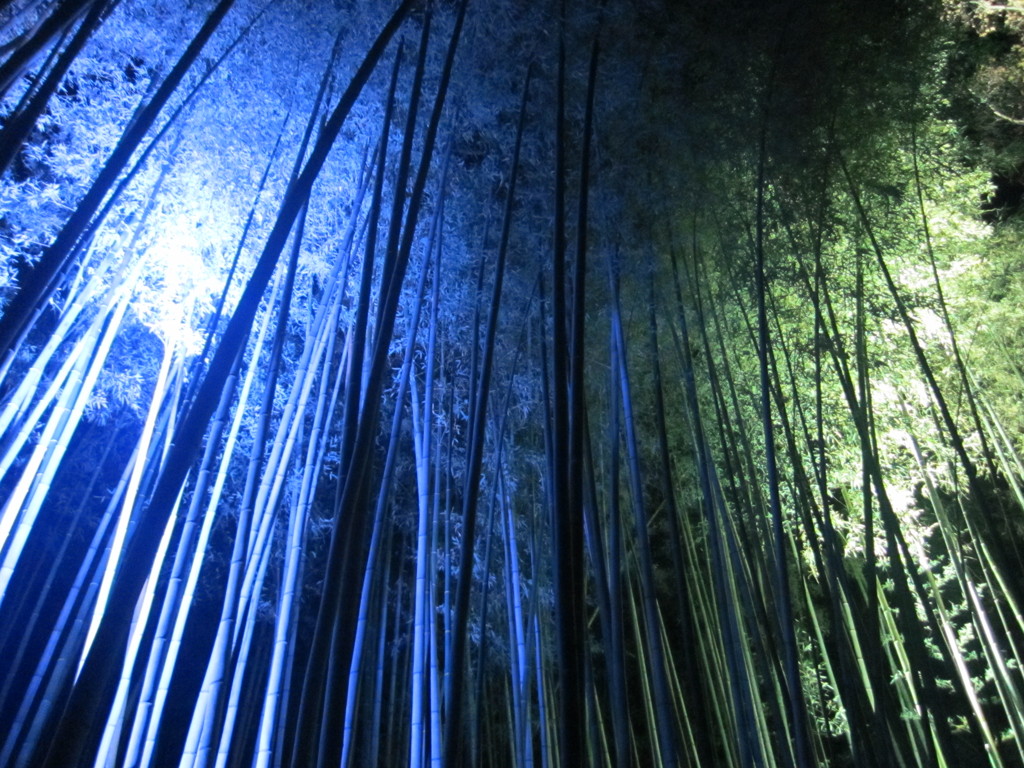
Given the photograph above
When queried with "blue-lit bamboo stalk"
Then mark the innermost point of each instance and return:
(207, 721)
(523, 746)
(354, 339)
(180, 595)
(275, 694)
(453, 736)
(420, 743)
(149, 455)
(480, 725)
(663, 725)
(278, 465)
(176, 600)
(25, 649)
(374, 588)
(347, 556)
(59, 658)
(25, 411)
(275, 699)
(25, 501)
(441, 482)
(570, 733)
(615, 652)
(499, 504)
(91, 695)
(424, 608)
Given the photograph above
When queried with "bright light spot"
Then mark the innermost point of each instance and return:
(177, 282)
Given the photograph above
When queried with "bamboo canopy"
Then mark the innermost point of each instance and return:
(464, 383)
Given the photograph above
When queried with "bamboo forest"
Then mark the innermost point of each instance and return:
(535, 383)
